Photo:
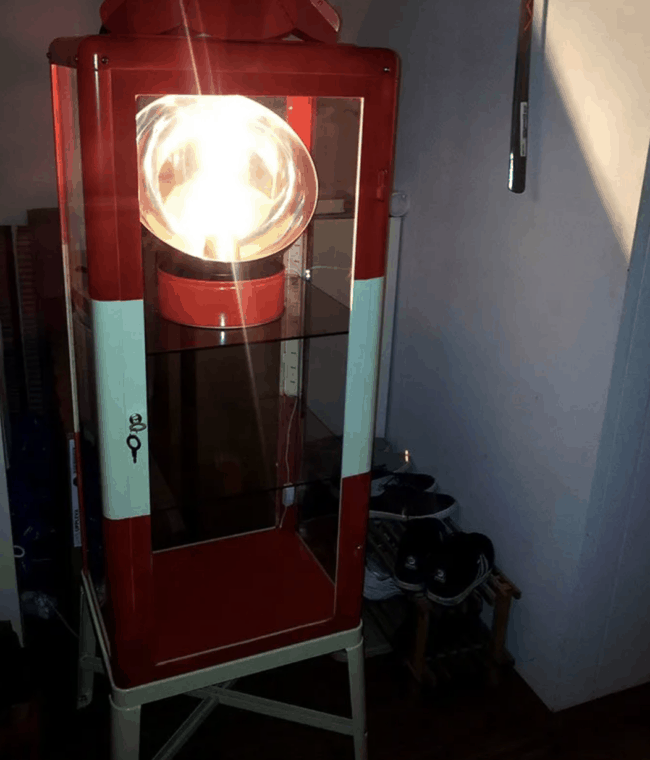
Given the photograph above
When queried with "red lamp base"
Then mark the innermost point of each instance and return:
(219, 304)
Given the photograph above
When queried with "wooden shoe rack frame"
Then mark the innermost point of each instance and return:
(430, 664)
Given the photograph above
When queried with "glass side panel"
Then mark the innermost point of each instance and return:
(68, 148)
(213, 438)
(335, 156)
(69, 160)
(322, 430)
(228, 448)
(245, 434)
(91, 484)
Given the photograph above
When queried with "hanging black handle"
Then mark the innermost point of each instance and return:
(519, 128)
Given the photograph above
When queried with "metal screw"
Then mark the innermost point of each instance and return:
(104, 60)
(386, 70)
(136, 425)
(307, 274)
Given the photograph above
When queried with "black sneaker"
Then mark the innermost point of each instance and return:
(413, 480)
(463, 563)
(402, 503)
(420, 541)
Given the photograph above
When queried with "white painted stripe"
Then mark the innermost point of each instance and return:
(361, 376)
(120, 364)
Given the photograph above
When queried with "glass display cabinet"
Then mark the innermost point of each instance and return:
(224, 212)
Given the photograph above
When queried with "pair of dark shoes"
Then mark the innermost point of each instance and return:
(408, 496)
(447, 567)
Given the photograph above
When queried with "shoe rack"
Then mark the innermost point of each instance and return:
(446, 643)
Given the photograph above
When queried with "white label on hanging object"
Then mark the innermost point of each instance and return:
(74, 496)
(523, 129)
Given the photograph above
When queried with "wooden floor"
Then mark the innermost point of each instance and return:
(470, 721)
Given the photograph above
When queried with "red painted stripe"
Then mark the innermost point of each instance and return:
(129, 577)
(376, 177)
(100, 195)
(355, 493)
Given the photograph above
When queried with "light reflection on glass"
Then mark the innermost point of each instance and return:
(222, 177)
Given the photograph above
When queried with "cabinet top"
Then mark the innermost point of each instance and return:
(146, 52)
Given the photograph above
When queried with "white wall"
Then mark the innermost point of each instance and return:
(509, 306)
(607, 636)
(27, 145)
(599, 53)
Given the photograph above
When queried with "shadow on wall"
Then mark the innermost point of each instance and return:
(508, 307)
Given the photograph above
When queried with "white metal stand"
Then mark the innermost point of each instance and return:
(211, 686)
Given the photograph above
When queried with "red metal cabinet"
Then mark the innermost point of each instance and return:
(224, 472)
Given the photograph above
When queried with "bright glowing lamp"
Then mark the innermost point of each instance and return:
(225, 181)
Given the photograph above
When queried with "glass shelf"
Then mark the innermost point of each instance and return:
(322, 315)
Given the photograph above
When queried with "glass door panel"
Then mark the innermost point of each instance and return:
(246, 420)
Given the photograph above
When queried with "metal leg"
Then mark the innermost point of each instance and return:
(188, 729)
(358, 699)
(126, 704)
(125, 732)
(87, 649)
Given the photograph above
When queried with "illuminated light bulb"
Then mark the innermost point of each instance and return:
(222, 177)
